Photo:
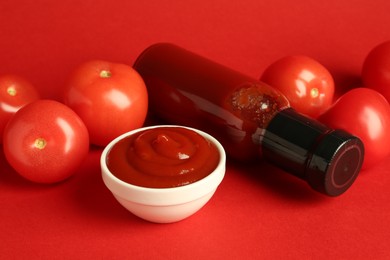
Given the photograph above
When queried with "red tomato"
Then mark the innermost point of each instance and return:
(110, 98)
(15, 92)
(376, 69)
(364, 113)
(306, 83)
(45, 141)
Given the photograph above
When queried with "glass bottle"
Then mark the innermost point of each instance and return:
(249, 118)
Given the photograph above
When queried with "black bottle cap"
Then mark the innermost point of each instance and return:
(329, 160)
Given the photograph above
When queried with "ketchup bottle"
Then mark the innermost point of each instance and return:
(249, 118)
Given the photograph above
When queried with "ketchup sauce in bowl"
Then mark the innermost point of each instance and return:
(163, 173)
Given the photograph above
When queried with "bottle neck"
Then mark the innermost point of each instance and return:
(290, 139)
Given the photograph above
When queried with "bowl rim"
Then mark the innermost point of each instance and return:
(166, 196)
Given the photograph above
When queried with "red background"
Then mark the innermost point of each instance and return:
(258, 211)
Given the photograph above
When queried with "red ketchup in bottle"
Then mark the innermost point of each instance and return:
(163, 157)
(248, 117)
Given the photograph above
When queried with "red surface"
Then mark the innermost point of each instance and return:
(258, 211)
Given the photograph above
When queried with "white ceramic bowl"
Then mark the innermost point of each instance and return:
(164, 205)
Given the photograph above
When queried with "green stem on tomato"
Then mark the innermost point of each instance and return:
(40, 143)
(105, 74)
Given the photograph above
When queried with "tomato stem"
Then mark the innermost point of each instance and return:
(11, 91)
(40, 143)
(105, 74)
(314, 92)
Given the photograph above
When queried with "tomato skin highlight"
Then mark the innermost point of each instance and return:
(306, 83)
(45, 141)
(15, 92)
(376, 69)
(110, 98)
(364, 113)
